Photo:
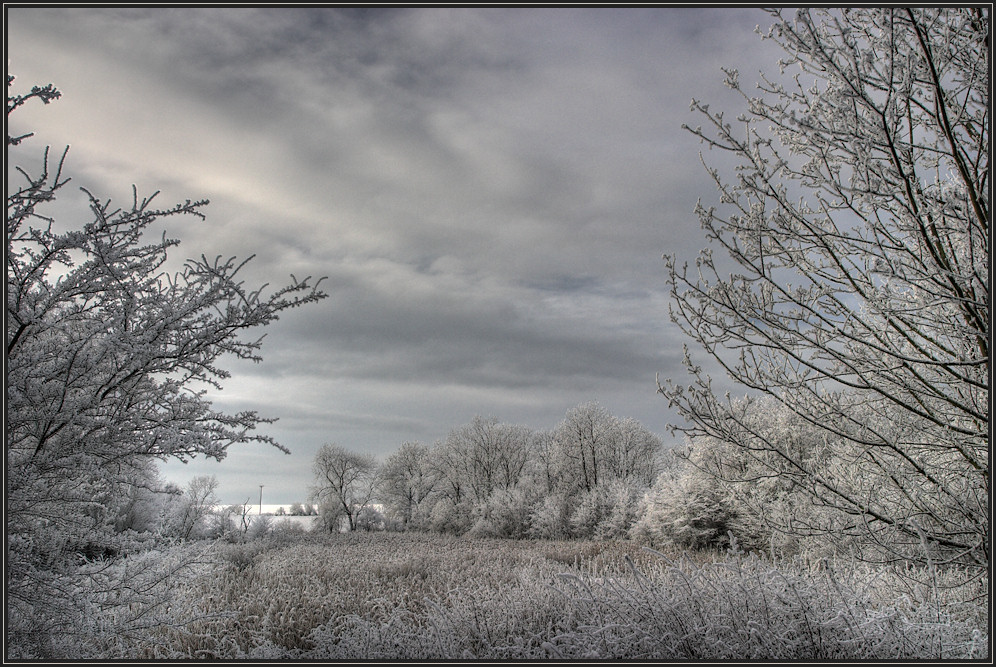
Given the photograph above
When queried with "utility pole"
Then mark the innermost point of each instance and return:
(261, 499)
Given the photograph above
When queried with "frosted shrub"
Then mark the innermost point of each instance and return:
(550, 517)
(689, 511)
(504, 514)
(259, 528)
(624, 508)
(449, 517)
(605, 512)
(103, 608)
(240, 556)
(285, 529)
(743, 608)
(590, 508)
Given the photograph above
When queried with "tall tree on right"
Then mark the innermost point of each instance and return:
(856, 292)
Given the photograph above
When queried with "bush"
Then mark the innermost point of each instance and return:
(370, 518)
(621, 510)
(451, 518)
(550, 517)
(688, 511)
(259, 528)
(505, 514)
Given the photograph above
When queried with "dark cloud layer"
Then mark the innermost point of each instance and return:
(489, 192)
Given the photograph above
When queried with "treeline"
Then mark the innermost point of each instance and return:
(583, 478)
(588, 477)
(597, 476)
(593, 476)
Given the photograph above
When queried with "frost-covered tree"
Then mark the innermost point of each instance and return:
(345, 483)
(490, 455)
(505, 514)
(474, 462)
(242, 517)
(635, 457)
(137, 506)
(593, 447)
(854, 289)
(550, 517)
(586, 439)
(109, 356)
(545, 463)
(775, 512)
(689, 512)
(606, 512)
(188, 513)
(405, 482)
(447, 466)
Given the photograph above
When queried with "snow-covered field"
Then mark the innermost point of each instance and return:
(390, 596)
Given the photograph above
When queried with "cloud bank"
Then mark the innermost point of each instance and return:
(488, 191)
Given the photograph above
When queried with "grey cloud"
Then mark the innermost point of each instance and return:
(488, 190)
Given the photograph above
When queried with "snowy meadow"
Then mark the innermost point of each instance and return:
(292, 594)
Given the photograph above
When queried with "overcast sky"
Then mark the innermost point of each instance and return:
(489, 192)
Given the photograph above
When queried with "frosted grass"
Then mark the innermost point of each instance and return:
(428, 597)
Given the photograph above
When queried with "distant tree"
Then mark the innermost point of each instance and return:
(550, 516)
(296, 509)
(591, 447)
(345, 483)
(489, 455)
(621, 509)
(635, 458)
(244, 513)
(587, 439)
(447, 516)
(857, 228)
(369, 519)
(506, 514)
(547, 466)
(193, 507)
(471, 465)
(406, 481)
(448, 464)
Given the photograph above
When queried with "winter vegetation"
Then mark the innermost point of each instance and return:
(850, 296)
(295, 595)
(838, 510)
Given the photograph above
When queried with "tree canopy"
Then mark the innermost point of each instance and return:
(110, 354)
(856, 223)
